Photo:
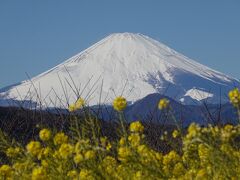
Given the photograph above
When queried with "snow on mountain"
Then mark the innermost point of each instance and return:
(198, 94)
(132, 65)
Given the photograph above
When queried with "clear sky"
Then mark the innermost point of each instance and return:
(37, 35)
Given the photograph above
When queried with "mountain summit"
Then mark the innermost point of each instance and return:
(132, 65)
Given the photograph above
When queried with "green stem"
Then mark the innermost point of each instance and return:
(176, 121)
(93, 132)
(122, 123)
(77, 127)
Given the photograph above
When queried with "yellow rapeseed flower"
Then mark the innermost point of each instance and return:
(5, 171)
(159, 156)
(175, 133)
(202, 174)
(13, 152)
(77, 105)
(77, 148)
(171, 158)
(78, 158)
(44, 163)
(204, 153)
(122, 141)
(119, 103)
(34, 148)
(142, 150)
(109, 160)
(234, 97)
(105, 143)
(109, 164)
(178, 169)
(80, 103)
(193, 130)
(134, 139)
(226, 148)
(60, 138)
(163, 104)
(66, 150)
(47, 151)
(136, 127)
(72, 108)
(108, 147)
(81, 144)
(72, 174)
(138, 175)
(45, 134)
(90, 154)
(228, 127)
(39, 173)
(19, 166)
(86, 174)
(124, 153)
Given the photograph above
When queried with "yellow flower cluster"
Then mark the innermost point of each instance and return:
(5, 171)
(80, 103)
(120, 103)
(34, 148)
(134, 139)
(13, 152)
(136, 127)
(78, 158)
(60, 138)
(39, 173)
(175, 133)
(45, 134)
(90, 154)
(86, 174)
(163, 104)
(124, 153)
(234, 97)
(72, 174)
(207, 153)
(65, 150)
(210, 152)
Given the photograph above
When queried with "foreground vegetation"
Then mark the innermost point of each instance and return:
(82, 152)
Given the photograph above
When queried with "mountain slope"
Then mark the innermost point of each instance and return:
(124, 63)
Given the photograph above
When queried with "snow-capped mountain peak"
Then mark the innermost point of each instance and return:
(128, 64)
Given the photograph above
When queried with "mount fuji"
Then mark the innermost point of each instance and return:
(132, 65)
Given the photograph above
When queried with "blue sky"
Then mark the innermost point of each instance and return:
(37, 35)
